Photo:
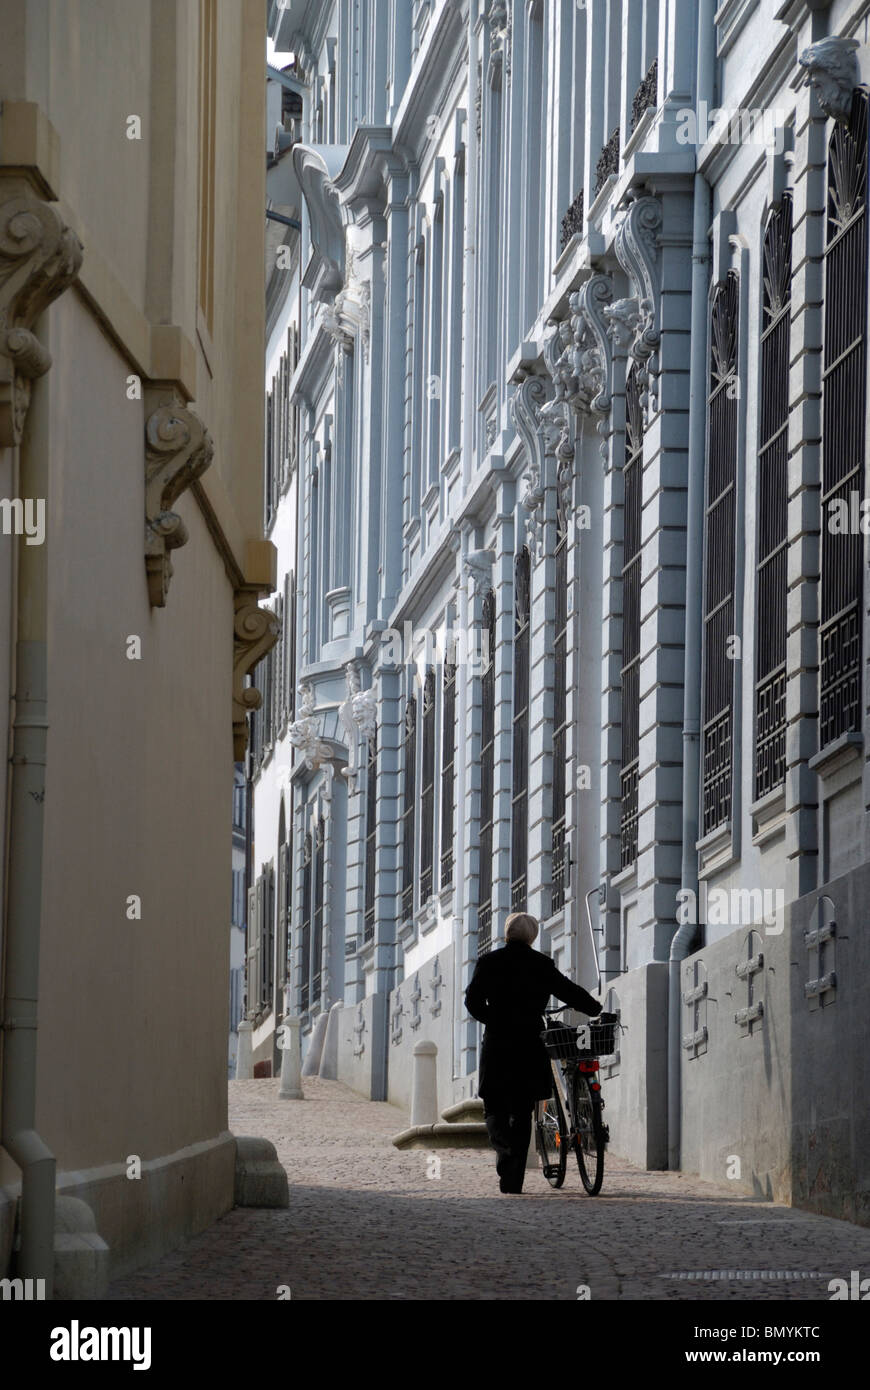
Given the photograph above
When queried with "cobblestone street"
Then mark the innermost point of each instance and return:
(366, 1222)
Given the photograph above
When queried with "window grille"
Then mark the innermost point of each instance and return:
(448, 755)
(408, 808)
(427, 797)
(487, 773)
(631, 581)
(843, 402)
(371, 836)
(560, 707)
(771, 585)
(520, 759)
(718, 622)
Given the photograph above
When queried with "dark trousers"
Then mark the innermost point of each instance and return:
(509, 1125)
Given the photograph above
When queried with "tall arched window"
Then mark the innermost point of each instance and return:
(843, 426)
(448, 755)
(408, 808)
(305, 931)
(718, 684)
(317, 921)
(771, 588)
(631, 575)
(520, 741)
(560, 705)
(487, 774)
(427, 792)
(371, 836)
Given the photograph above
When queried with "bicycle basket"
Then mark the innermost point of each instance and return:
(562, 1042)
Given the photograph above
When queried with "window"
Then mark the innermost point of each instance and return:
(317, 920)
(371, 837)
(718, 609)
(771, 586)
(238, 917)
(631, 576)
(843, 404)
(207, 108)
(408, 808)
(305, 933)
(448, 755)
(520, 762)
(427, 797)
(560, 706)
(487, 774)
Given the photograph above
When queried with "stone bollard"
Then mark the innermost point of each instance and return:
(291, 1060)
(245, 1053)
(311, 1065)
(424, 1085)
(329, 1055)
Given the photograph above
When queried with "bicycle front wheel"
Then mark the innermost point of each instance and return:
(551, 1137)
(589, 1133)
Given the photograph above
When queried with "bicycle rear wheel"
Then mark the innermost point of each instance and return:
(590, 1135)
(551, 1138)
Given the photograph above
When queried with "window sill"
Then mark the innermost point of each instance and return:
(768, 816)
(843, 750)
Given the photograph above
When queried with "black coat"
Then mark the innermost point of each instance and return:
(509, 992)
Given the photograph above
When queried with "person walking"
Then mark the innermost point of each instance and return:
(508, 993)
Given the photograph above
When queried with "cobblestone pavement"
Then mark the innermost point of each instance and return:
(366, 1221)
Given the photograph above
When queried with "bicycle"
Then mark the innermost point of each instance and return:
(572, 1116)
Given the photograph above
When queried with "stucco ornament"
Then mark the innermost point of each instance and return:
(636, 246)
(178, 450)
(478, 571)
(832, 72)
(358, 716)
(255, 633)
(342, 287)
(304, 733)
(537, 435)
(40, 257)
(593, 351)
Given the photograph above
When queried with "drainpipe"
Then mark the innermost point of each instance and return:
(24, 878)
(682, 941)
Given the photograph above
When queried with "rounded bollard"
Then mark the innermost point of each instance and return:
(291, 1060)
(245, 1052)
(424, 1085)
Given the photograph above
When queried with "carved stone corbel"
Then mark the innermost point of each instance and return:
(539, 434)
(358, 716)
(636, 246)
(592, 345)
(478, 571)
(255, 634)
(39, 258)
(832, 72)
(178, 449)
(304, 733)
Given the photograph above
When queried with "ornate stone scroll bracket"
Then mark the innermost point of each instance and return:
(636, 247)
(304, 733)
(478, 571)
(39, 258)
(358, 716)
(178, 449)
(499, 22)
(593, 350)
(832, 72)
(255, 634)
(539, 432)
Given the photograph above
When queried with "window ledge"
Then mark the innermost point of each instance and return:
(626, 879)
(837, 754)
(768, 816)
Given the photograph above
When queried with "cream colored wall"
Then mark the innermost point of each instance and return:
(133, 1015)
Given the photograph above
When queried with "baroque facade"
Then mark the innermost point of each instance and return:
(581, 398)
(131, 349)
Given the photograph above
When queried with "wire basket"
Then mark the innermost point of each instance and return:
(564, 1042)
